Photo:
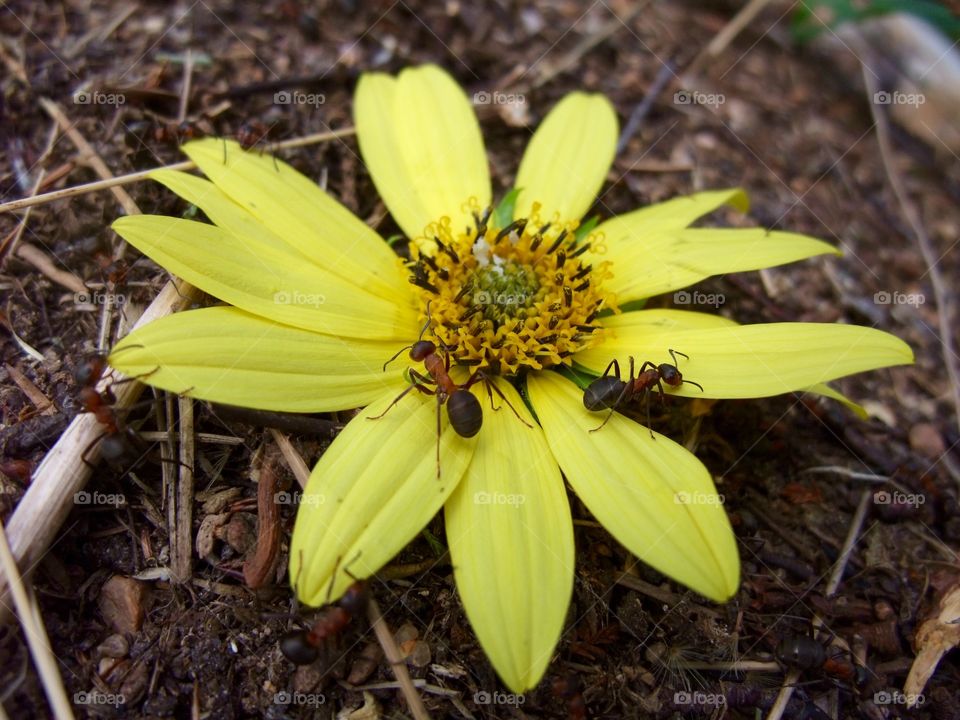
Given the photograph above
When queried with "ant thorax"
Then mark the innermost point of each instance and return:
(501, 299)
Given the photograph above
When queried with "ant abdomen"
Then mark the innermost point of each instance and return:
(297, 648)
(603, 393)
(465, 413)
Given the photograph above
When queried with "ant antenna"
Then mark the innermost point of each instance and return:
(419, 338)
(673, 354)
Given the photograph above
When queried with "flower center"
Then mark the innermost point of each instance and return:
(511, 297)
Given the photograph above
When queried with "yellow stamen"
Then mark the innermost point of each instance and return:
(513, 297)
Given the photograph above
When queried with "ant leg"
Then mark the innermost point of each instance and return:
(490, 384)
(439, 405)
(83, 455)
(609, 415)
(616, 368)
(333, 577)
(346, 567)
(416, 385)
(649, 423)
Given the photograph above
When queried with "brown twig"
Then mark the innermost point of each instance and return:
(114, 182)
(940, 293)
(395, 658)
(181, 552)
(263, 563)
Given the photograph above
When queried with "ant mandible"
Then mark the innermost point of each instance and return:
(610, 392)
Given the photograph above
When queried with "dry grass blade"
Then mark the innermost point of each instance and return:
(36, 634)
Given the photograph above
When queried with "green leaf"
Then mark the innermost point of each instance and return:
(811, 19)
(586, 227)
(503, 214)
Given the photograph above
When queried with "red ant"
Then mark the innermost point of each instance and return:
(252, 133)
(302, 647)
(118, 444)
(463, 408)
(610, 392)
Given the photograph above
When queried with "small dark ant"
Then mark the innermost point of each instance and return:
(463, 408)
(610, 392)
(119, 444)
(252, 133)
(802, 652)
(302, 647)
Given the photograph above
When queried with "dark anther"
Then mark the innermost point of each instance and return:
(583, 272)
(517, 225)
(447, 249)
(582, 286)
(471, 312)
(553, 307)
(498, 343)
(554, 321)
(443, 274)
(463, 291)
(581, 250)
(481, 221)
(548, 339)
(587, 328)
(518, 327)
(561, 259)
(536, 243)
(557, 242)
(567, 296)
(542, 230)
(428, 259)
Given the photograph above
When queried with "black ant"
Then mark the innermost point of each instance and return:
(302, 647)
(610, 392)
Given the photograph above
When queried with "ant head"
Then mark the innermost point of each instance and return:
(670, 375)
(354, 601)
(421, 349)
(90, 370)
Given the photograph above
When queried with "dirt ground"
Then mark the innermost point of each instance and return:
(793, 127)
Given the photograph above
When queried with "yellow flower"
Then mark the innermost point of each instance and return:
(318, 302)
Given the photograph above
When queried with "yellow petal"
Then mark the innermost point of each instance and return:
(663, 320)
(745, 361)
(420, 139)
(568, 158)
(673, 214)
(646, 264)
(373, 490)
(297, 210)
(265, 280)
(511, 542)
(829, 392)
(650, 493)
(223, 354)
